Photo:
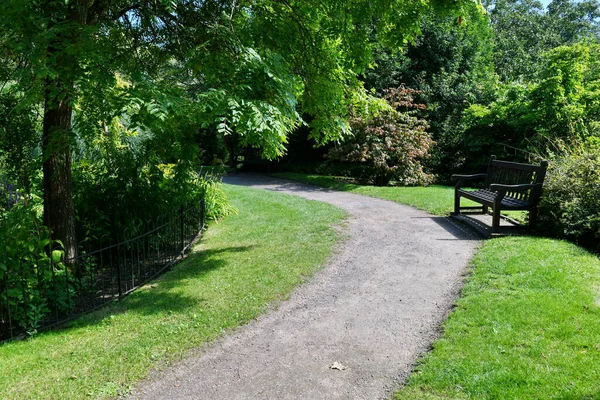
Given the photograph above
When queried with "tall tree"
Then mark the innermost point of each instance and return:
(524, 30)
(62, 49)
(249, 66)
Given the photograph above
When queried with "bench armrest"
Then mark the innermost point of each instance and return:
(503, 189)
(460, 179)
(457, 177)
(496, 187)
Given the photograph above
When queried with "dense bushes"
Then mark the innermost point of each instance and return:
(389, 145)
(570, 206)
(28, 275)
(560, 107)
(20, 157)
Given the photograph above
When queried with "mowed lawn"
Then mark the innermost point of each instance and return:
(527, 326)
(243, 265)
(527, 323)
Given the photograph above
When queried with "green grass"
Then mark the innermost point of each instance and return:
(246, 262)
(435, 199)
(527, 326)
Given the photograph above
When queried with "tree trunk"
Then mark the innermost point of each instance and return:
(230, 144)
(58, 188)
(59, 211)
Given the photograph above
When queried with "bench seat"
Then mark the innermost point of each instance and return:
(487, 197)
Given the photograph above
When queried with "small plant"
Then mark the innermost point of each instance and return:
(216, 203)
(9, 195)
(390, 145)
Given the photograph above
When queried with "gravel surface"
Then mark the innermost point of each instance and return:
(355, 330)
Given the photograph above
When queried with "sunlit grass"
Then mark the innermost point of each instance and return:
(527, 326)
(435, 199)
(244, 263)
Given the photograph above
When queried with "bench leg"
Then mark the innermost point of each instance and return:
(532, 218)
(496, 220)
(485, 209)
(456, 203)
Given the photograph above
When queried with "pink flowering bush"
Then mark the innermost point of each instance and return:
(388, 146)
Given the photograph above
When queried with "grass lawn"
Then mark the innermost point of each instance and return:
(245, 263)
(527, 324)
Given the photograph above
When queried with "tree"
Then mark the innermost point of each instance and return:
(560, 110)
(524, 31)
(246, 66)
(451, 66)
(391, 144)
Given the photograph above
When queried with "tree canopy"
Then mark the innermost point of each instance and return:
(92, 68)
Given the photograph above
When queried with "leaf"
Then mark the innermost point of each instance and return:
(337, 365)
(57, 255)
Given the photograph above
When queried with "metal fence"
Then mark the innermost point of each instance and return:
(48, 292)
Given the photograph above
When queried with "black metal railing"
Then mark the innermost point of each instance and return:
(49, 291)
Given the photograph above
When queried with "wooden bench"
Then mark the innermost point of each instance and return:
(507, 186)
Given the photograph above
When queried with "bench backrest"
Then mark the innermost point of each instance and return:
(513, 173)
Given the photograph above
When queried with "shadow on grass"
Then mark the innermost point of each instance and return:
(161, 295)
(319, 184)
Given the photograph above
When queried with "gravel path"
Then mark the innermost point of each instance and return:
(355, 330)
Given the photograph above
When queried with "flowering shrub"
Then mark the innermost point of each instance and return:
(389, 145)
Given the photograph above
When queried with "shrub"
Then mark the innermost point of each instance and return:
(126, 179)
(20, 155)
(215, 200)
(33, 283)
(570, 206)
(389, 145)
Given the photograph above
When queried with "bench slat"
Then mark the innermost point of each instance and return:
(487, 197)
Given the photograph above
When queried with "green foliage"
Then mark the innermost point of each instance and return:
(217, 203)
(570, 206)
(389, 145)
(450, 64)
(527, 120)
(504, 128)
(123, 191)
(33, 283)
(524, 31)
(565, 101)
(20, 155)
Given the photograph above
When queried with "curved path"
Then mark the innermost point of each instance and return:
(352, 332)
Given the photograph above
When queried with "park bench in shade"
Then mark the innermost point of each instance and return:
(507, 186)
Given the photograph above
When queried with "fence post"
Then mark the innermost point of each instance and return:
(181, 228)
(119, 268)
(202, 211)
